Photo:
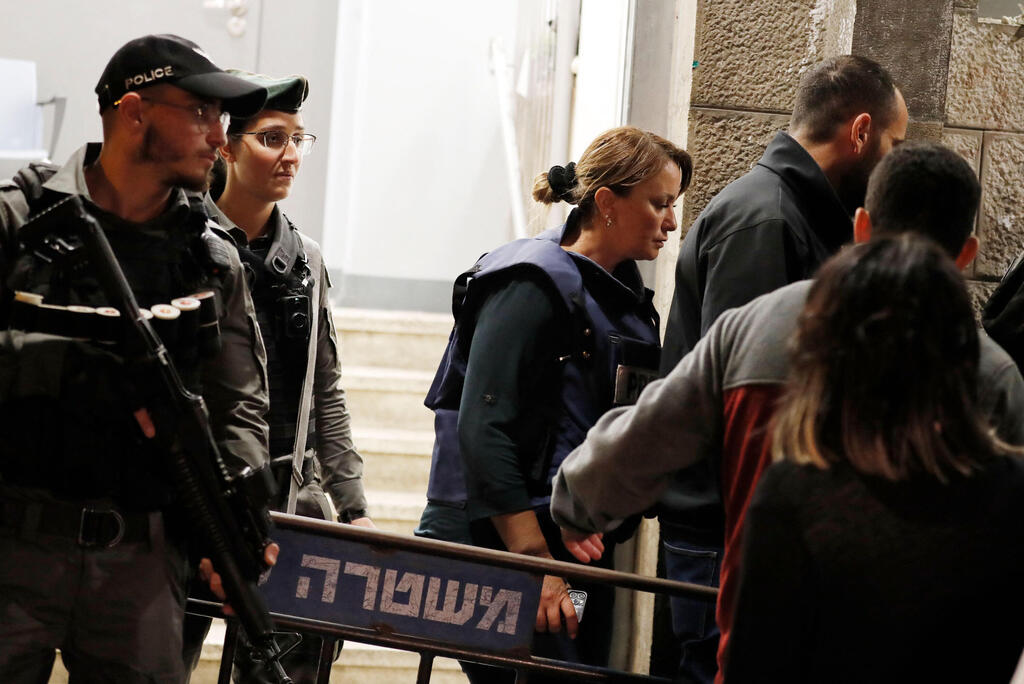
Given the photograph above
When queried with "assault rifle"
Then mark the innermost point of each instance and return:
(229, 513)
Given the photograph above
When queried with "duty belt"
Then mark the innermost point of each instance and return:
(102, 527)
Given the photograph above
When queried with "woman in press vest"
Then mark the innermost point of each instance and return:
(550, 333)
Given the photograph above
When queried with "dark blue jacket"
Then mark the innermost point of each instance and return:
(602, 331)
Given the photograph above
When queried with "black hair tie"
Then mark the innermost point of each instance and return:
(562, 180)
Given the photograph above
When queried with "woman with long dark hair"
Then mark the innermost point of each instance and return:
(886, 543)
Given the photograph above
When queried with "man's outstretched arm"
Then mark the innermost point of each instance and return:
(626, 461)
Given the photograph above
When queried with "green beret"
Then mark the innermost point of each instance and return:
(283, 94)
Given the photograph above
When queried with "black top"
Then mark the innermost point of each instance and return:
(513, 382)
(511, 370)
(772, 227)
(848, 578)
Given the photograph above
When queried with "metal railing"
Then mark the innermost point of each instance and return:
(310, 547)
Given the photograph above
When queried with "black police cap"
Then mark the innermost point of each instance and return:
(158, 59)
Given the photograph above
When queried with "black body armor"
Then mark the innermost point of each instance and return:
(282, 285)
(65, 417)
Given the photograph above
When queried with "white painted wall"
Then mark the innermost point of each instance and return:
(602, 71)
(407, 183)
(72, 41)
(300, 38)
(997, 9)
(416, 187)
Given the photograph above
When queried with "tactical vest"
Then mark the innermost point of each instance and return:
(606, 357)
(64, 414)
(282, 285)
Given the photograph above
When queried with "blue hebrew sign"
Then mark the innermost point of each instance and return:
(360, 585)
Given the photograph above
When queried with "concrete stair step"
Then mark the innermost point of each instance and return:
(392, 339)
(395, 460)
(388, 398)
(369, 664)
(359, 663)
(396, 511)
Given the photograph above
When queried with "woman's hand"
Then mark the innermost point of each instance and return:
(521, 533)
(584, 547)
(554, 605)
(363, 522)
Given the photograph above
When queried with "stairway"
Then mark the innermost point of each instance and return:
(388, 360)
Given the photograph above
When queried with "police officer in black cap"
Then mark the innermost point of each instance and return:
(94, 558)
(310, 436)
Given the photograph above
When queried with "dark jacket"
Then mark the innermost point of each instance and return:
(64, 423)
(611, 319)
(532, 363)
(772, 227)
(838, 565)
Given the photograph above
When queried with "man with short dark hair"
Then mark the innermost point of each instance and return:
(91, 536)
(793, 210)
(716, 405)
(771, 227)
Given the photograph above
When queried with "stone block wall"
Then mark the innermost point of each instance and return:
(984, 120)
(963, 80)
(749, 57)
(725, 144)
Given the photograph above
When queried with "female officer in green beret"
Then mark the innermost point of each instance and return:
(308, 418)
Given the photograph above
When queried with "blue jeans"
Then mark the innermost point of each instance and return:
(693, 620)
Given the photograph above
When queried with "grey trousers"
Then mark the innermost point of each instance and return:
(115, 613)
